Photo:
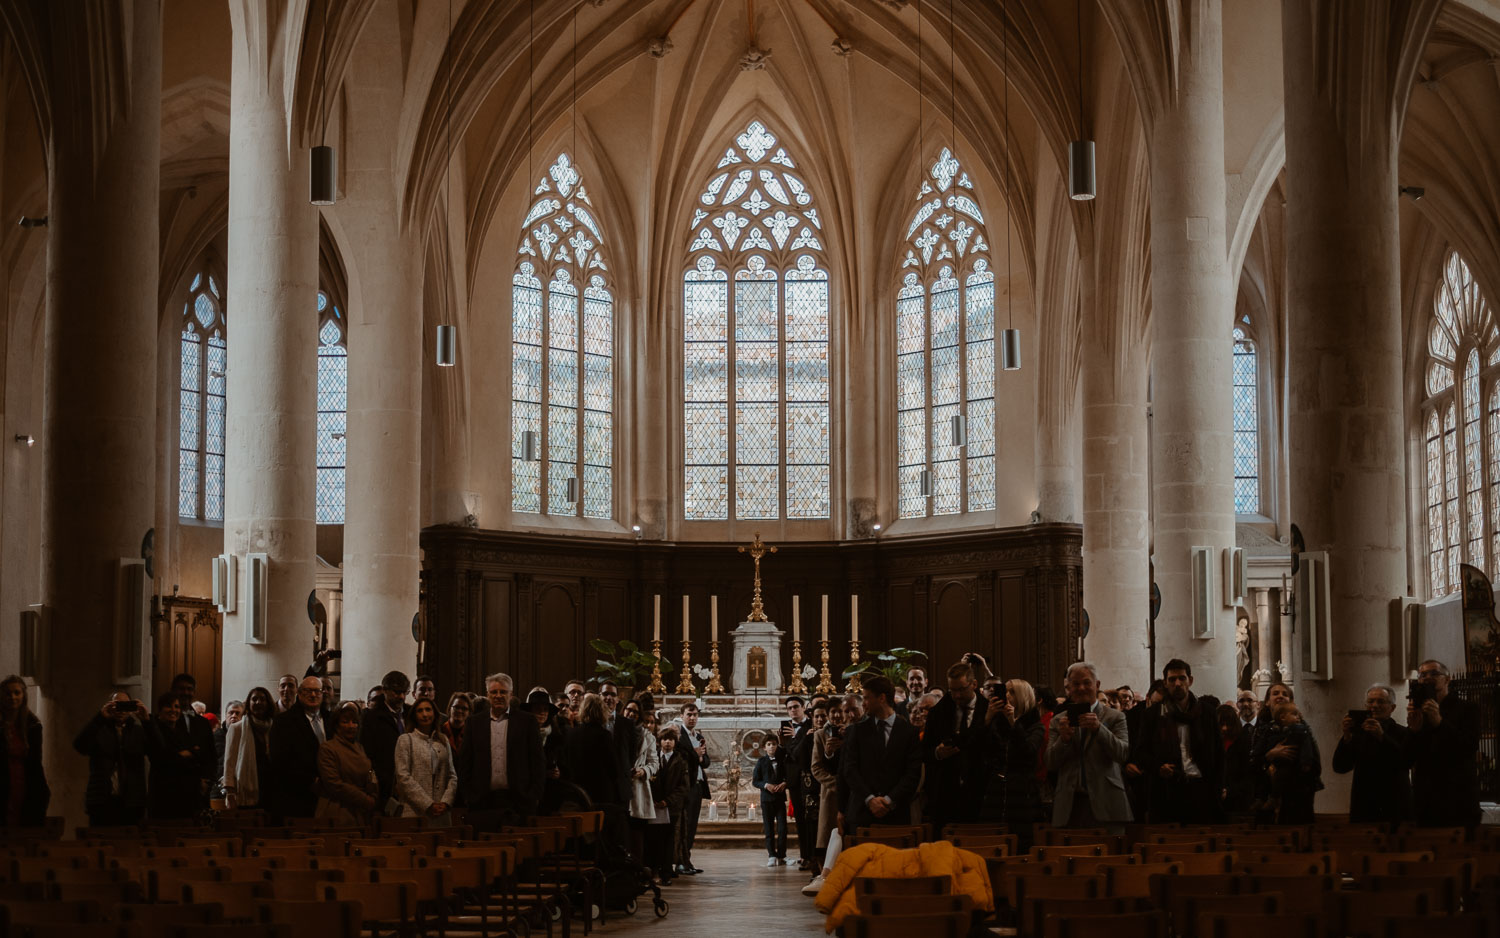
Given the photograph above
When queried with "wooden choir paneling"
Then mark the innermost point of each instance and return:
(527, 604)
(187, 640)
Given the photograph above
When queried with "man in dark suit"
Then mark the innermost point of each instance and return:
(793, 749)
(501, 768)
(882, 761)
(693, 749)
(622, 734)
(200, 731)
(296, 734)
(1180, 752)
(1374, 750)
(1443, 747)
(953, 750)
(381, 726)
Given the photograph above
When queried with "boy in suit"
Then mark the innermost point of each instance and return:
(770, 778)
(1086, 746)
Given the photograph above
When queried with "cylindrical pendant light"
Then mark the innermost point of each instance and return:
(1010, 350)
(447, 345)
(530, 451)
(1081, 170)
(957, 432)
(926, 483)
(323, 166)
(570, 492)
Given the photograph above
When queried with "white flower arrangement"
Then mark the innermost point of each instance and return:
(809, 672)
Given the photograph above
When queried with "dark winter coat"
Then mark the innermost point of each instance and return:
(110, 751)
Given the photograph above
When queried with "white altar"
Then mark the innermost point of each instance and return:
(756, 657)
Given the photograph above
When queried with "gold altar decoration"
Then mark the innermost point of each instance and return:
(795, 685)
(855, 686)
(757, 550)
(713, 686)
(685, 686)
(656, 687)
(825, 680)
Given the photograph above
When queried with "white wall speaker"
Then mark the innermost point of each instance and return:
(132, 620)
(33, 636)
(1314, 626)
(1234, 576)
(257, 595)
(1205, 602)
(226, 578)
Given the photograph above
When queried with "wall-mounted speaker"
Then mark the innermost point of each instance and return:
(226, 578)
(1234, 577)
(33, 657)
(1313, 625)
(257, 596)
(132, 620)
(1205, 602)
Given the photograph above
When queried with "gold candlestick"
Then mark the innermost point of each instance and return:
(685, 686)
(795, 685)
(656, 686)
(825, 680)
(714, 687)
(855, 686)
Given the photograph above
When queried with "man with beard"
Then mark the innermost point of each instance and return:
(916, 687)
(1180, 753)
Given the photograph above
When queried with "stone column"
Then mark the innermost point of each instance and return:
(1192, 445)
(1346, 92)
(1267, 630)
(98, 436)
(384, 465)
(269, 474)
(1116, 506)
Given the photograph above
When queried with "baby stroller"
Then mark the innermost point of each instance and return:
(626, 878)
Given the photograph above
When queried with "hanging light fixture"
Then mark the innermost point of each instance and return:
(323, 165)
(571, 490)
(447, 333)
(530, 450)
(1080, 151)
(1010, 339)
(926, 483)
(958, 433)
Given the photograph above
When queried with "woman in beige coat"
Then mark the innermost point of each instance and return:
(825, 768)
(426, 783)
(346, 783)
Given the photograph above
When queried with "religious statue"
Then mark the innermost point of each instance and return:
(731, 787)
(757, 550)
(1241, 652)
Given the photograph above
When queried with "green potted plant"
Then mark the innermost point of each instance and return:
(892, 663)
(624, 665)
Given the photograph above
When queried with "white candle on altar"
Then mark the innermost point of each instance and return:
(796, 621)
(656, 620)
(713, 618)
(825, 617)
(684, 618)
(853, 618)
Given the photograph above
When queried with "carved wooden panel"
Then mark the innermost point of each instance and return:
(188, 640)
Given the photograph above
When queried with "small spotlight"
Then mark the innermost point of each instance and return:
(29, 222)
(26, 438)
(1416, 192)
(637, 529)
(875, 528)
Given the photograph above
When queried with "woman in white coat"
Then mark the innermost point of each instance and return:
(642, 771)
(426, 783)
(247, 751)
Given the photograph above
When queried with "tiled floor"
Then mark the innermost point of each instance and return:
(735, 896)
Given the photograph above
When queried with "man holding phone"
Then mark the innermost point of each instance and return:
(1373, 748)
(1443, 747)
(1086, 746)
(115, 743)
(953, 750)
(794, 744)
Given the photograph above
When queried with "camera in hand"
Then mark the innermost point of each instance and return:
(1359, 717)
(1420, 692)
(125, 706)
(333, 653)
(1074, 711)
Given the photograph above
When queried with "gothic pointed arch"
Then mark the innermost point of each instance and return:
(562, 334)
(202, 364)
(333, 408)
(945, 350)
(756, 375)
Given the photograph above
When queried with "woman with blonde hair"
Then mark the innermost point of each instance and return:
(1016, 728)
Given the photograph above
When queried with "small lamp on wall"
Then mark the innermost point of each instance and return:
(447, 345)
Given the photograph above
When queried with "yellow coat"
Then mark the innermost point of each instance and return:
(970, 875)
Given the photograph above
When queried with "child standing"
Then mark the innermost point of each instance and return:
(770, 778)
(669, 791)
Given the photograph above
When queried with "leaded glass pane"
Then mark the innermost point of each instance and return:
(946, 490)
(333, 405)
(705, 493)
(213, 426)
(1246, 421)
(190, 370)
(1450, 480)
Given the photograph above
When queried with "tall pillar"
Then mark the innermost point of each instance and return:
(383, 475)
(99, 431)
(1267, 631)
(1116, 503)
(269, 473)
(1191, 306)
(1346, 91)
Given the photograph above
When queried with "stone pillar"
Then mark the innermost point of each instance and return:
(1116, 522)
(1267, 630)
(383, 475)
(269, 474)
(98, 436)
(1192, 445)
(1346, 92)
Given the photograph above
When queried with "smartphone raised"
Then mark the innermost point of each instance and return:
(1359, 717)
(125, 706)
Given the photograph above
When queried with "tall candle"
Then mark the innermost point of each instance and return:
(854, 618)
(656, 620)
(713, 618)
(684, 618)
(825, 617)
(796, 621)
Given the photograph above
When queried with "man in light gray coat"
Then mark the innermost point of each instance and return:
(1086, 746)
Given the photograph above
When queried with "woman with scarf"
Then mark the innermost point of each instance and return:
(247, 751)
(426, 782)
(554, 732)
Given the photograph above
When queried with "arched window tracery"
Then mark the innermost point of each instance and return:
(756, 375)
(203, 361)
(1246, 423)
(1462, 430)
(562, 341)
(945, 351)
(333, 410)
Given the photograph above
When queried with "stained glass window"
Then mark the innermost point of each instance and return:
(756, 295)
(333, 411)
(1462, 424)
(562, 355)
(200, 425)
(945, 351)
(1246, 427)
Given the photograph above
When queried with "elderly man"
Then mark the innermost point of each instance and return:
(501, 768)
(1373, 748)
(296, 734)
(1086, 746)
(1443, 747)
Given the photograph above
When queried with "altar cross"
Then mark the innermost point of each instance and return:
(757, 550)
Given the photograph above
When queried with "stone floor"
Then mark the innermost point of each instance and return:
(736, 896)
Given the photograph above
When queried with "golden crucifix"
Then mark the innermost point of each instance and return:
(757, 550)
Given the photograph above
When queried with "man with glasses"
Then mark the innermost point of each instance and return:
(573, 691)
(622, 736)
(296, 735)
(1443, 748)
(1373, 748)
